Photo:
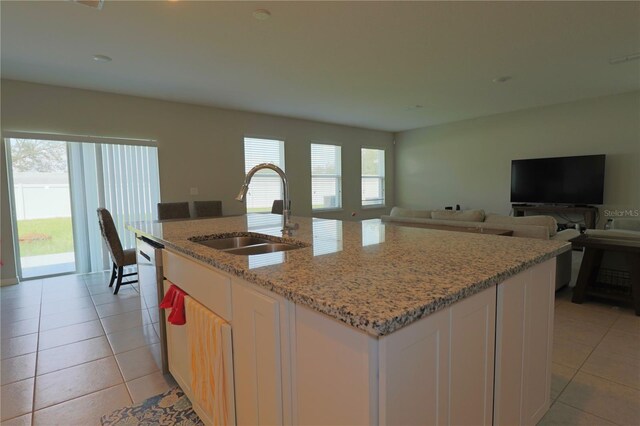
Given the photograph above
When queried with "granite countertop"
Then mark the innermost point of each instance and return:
(375, 277)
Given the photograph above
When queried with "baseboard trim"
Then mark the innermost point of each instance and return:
(8, 281)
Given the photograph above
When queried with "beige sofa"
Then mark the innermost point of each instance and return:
(541, 227)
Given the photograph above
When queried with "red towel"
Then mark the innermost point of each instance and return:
(174, 299)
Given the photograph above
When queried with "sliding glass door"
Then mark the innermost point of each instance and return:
(56, 187)
(42, 207)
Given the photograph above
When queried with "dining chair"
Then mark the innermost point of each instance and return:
(207, 208)
(173, 211)
(277, 206)
(119, 257)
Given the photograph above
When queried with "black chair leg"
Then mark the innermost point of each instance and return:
(119, 281)
(113, 275)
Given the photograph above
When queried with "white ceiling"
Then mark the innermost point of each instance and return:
(357, 63)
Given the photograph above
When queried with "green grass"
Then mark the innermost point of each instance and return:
(45, 236)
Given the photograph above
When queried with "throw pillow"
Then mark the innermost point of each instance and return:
(403, 212)
(541, 220)
(465, 215)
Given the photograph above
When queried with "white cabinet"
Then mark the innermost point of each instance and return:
(213, 291)
(177, 352)
(483, 360)
(260, 356)
(524, 345)
(336, 372)
(471, 359)
(439, 370)
(414, 373)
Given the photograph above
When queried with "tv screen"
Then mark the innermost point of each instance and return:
(559, 180)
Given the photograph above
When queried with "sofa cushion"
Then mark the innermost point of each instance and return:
(540, 220)
(466, 215)
(525, 231)
(402, 212)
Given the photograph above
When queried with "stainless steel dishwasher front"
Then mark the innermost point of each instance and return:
(150, 278)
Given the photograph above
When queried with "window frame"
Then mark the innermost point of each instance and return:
(257, 175)
(337, 177)
(383, 178)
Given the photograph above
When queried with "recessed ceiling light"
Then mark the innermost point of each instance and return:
(101, 58)
(623, 59)
(261, 14)
(502, 79)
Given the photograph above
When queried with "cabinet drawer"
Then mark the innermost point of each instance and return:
(209, 287)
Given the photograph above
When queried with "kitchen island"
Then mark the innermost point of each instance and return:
(368, 323)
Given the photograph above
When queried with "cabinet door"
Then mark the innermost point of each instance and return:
(256, 357)
(524, 345)
(471, 359)
(414, 373)
(178, 353)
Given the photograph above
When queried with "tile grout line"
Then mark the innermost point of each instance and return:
(73, 399)
(579, 369)
(111, 347)
(123, 382)
(35, 371)
(588, 412)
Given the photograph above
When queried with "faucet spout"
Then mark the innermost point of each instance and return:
(286, 213)
(243, 193)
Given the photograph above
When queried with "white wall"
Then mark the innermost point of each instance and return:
(469, 162)
(197, 146)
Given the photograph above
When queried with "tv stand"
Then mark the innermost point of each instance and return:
(588, 212)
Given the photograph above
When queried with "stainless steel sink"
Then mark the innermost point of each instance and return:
(262, 249)
(233, 242)
(246, 245)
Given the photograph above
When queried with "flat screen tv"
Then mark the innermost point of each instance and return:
(559, 180)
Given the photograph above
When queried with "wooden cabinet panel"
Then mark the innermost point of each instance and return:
(414, 373)
(179, 361)
(336, 372)
(210, 288)
(471, 359)
(524, 345)
(538, 349)
(257, 359)
(178, 352)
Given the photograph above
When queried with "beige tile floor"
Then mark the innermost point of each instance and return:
(72, 351)
(596, 364)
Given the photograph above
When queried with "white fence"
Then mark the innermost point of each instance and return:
(40, 201)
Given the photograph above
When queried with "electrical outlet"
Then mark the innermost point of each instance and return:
(193, 191)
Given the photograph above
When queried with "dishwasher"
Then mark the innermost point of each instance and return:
(150, 279)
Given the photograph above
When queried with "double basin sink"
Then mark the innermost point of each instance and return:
(246, 245)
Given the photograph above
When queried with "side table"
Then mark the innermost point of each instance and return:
(594, 248)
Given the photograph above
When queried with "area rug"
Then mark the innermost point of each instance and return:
(170, 408)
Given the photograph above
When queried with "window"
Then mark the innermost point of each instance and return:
(265, 185)
(57, 185)
(326, 177)
(372, 177)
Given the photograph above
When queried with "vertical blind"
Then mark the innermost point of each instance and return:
(131, 185)
(266, 185)
(372, 177)
(326, 176)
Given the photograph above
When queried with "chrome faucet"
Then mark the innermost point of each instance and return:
(287, 227)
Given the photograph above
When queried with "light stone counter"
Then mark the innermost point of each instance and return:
(375, 277)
